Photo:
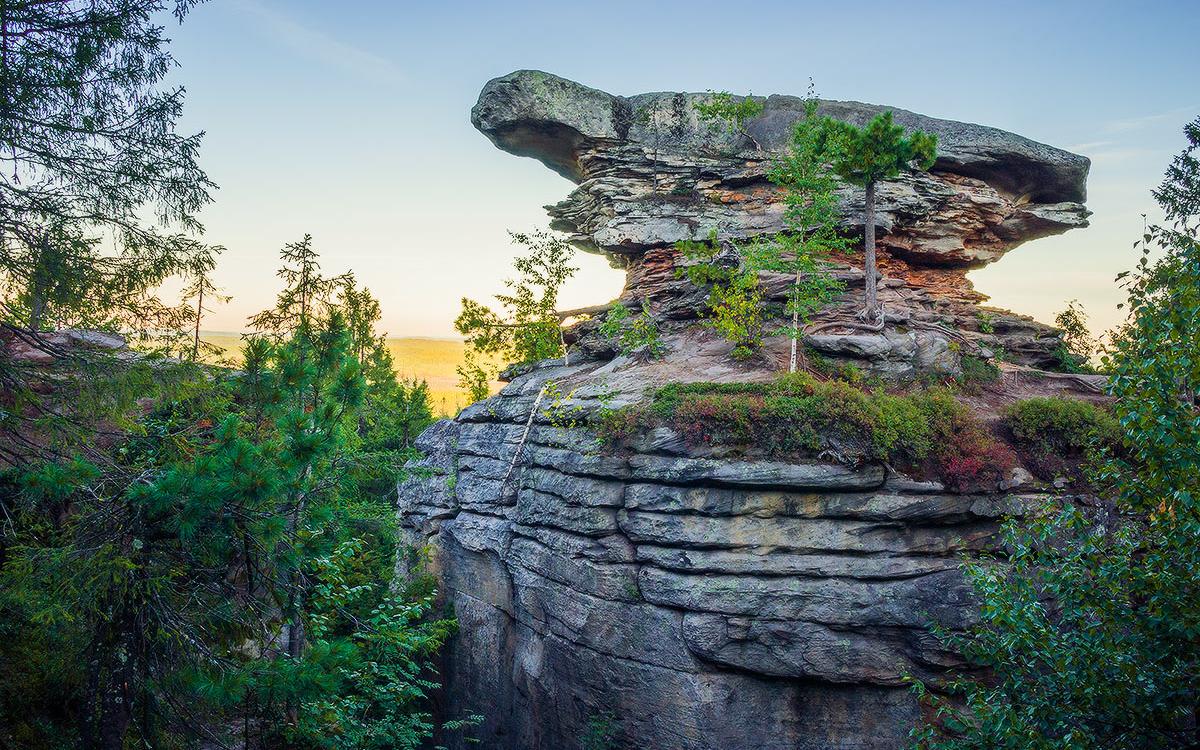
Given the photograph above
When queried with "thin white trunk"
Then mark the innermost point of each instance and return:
(795, 326)
(524, 436)
(871, 310)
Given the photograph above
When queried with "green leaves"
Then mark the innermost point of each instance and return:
(1089, 620)
(722, 109)
(632, 334)
(526, 327)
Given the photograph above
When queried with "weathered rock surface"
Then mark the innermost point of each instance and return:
(698, 600)
(651, 173)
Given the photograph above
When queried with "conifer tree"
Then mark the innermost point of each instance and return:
(864, 156)
(200, 289)
(88, 147)
(99, 194)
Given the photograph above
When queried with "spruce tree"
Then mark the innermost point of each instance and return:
(88, 147)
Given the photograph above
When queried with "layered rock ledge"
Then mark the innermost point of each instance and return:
(650, 173)
(693, 602)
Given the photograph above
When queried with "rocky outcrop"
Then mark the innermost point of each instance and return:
(687, 597)
(696, 602)
(651, 173)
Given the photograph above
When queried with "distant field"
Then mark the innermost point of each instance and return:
(431, 360)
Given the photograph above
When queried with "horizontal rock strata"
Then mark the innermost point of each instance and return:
(651, 173)
(698, 603)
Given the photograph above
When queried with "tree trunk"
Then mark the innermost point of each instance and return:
(199, 313)
(871, 274)
(38, 284)
(795, 324)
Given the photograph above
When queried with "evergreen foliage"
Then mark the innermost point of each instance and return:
(811, 218)
(98, 201)
(88, 144)
(863, 156)
(811, 234)
(227, 569)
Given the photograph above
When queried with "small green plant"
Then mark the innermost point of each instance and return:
(986, 321)
(975, 372)
(723, 109)
(737, 313)
(561, 412)
(632, 333)
(1058, 436)
(616, 426)
(1078, 345)
(843, 371)
(735, 300)
(600, 733)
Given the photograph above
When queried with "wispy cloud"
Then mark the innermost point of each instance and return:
(319, 45)
(1089, 147)
(1137, 123)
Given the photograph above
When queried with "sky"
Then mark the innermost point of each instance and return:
(350, 121)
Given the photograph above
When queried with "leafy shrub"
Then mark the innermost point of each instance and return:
(986, 321)
(615, 426)
(630, 333)
(797, 415)
(976, 371)
(1057, 434)
(844, 371)
(735, 299)
(1078, 345)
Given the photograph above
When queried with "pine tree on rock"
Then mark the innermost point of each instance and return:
(866, 155)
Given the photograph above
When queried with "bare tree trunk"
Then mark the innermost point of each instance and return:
(199, 312)
(88, 720)
(871, 279)
(38, 284)
(795, 325)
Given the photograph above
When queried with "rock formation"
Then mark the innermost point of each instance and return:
(689, 598)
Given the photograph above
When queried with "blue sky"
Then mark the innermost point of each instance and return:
(349, 120)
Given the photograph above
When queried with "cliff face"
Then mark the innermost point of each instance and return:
(687, 597)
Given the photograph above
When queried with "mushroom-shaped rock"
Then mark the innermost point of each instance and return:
(651, 172)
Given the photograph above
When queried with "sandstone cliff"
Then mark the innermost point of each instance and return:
(691, 598)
